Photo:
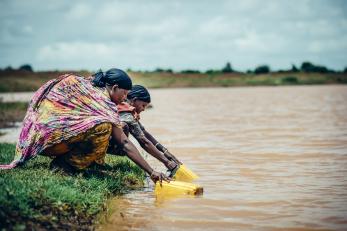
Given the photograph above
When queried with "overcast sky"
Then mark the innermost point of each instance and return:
(144, 35)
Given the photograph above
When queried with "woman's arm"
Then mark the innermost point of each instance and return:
(150, 137)
(135, 128)
(131, 151)
(151, 149)
(159, 146)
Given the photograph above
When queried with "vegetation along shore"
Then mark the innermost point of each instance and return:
(25, 79)
(33, 197)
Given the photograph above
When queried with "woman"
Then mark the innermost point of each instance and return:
(72, 118)
(129, 111)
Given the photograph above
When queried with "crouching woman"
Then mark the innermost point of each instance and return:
(129, 111)
(72, 119)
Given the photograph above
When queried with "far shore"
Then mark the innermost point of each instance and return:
(26, 81)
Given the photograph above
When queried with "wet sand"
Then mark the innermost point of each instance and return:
(269, 158)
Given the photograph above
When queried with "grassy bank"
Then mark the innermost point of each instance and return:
(11, 112)
(31, 81)
(33, 198)
(17, 81)
(159, 80)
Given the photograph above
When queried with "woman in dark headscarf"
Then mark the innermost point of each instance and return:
(71, 119)
(137, 101)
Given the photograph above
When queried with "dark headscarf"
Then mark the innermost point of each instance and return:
(139, 92)
(112, 77)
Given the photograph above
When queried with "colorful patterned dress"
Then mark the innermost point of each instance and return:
(61, 109)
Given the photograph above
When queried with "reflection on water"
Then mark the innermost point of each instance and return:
(269, 158)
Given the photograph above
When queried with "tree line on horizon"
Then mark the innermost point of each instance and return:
(306, 67)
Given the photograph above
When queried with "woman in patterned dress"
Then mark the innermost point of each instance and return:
(72, 119)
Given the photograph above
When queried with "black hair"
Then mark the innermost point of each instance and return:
(112, 77)
(139, 92)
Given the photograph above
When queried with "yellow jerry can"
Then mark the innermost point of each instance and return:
(182, 173)
(177, 188)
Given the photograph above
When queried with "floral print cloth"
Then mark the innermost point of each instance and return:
(62, 108)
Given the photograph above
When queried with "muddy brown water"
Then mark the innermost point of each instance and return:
(269, 158)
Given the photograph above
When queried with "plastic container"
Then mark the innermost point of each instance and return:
(182, 173)
(177, 188)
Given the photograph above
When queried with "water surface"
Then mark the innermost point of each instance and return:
(269, 158)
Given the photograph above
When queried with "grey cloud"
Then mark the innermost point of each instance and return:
(177, 34)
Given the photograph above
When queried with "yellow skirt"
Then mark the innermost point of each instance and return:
(84, 149)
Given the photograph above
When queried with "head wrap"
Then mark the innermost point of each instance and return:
(112, 77)
(139, 92)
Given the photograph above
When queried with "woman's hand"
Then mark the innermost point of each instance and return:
(129, 148)
(171, 165)
(155, 176)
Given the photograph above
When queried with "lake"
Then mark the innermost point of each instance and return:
(269, 158)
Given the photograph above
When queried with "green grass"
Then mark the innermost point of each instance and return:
(159, 80)
(33, 197)
(18, 81)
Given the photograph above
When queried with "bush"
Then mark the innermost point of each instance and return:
(262, 69)
(9, 68)
(227, 68)
(294, 68)
(190, 72)
(169, 70)
(160, 70)
(309, 67)
(26, 67)
(211, 71)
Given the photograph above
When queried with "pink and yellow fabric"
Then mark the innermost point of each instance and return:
(62, 108)
(84, 149)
